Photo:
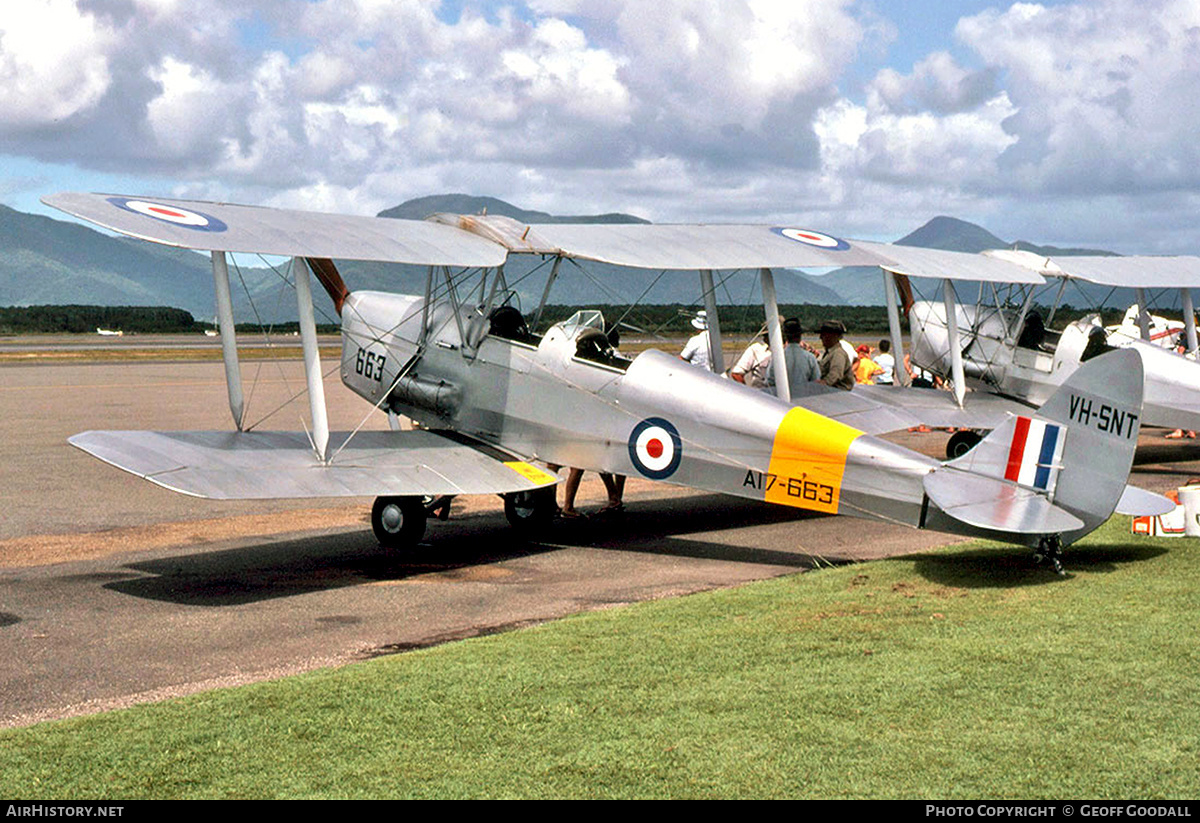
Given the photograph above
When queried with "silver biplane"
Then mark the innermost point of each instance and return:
(492, 397)
(1003, 345)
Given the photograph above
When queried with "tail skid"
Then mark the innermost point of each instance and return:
(1058, 473)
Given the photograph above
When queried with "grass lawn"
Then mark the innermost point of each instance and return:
(958, 673)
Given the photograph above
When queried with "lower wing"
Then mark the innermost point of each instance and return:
(264, 465)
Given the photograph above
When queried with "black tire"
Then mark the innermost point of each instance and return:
(962, 442)
(398, 522)
(532, 511)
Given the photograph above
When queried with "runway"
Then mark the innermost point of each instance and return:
(114, 591)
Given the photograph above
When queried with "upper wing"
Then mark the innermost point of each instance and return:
(699, 246)
(916, 261)
(225, 227)
(266, 465)
(1132, 271)
(1136, 270)
(486, 240)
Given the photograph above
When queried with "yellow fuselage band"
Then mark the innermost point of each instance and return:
(808, 460)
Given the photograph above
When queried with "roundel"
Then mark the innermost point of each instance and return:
(170, 214)
(655, 448)
(813, 238)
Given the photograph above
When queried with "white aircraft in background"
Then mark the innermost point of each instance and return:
(1002, 344)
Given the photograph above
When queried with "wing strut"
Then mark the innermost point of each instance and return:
(312, 358)
(229, 353)
(1143, 313)
(537, 318)
(775, 336)
(899, 374)
(716, 355)
(949, 299)
(1189, 319)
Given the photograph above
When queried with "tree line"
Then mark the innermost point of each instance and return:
(86, 319)
(672, 319)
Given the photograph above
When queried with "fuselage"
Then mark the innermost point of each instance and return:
(654, 416)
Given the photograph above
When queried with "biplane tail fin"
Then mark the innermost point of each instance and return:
(1065, 466)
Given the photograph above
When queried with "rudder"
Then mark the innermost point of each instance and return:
(1077, 449)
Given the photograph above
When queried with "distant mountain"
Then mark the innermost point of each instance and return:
(863, 286)
(952, 234)
(421, 207)
(45, 261)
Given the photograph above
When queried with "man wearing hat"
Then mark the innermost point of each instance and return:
(696, 350)
(800, 364)
(836, 368)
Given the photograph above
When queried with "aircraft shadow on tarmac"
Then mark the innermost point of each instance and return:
(263, 571)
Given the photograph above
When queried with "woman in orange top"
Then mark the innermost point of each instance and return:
(865, 368)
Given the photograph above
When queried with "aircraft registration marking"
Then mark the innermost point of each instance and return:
(1103, 417)
(530, 472)
(369, 364)
(808, 461)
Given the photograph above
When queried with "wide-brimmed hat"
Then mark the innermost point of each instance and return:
(832, 327)
(700, 321)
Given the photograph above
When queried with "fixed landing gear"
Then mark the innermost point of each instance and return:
(530, 512)
(398, 522)
(1050, 550)
(962, 442)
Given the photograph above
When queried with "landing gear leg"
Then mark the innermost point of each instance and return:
(1050, 550)
(531, 511)
(438, 507)
(398, 522)
(961, 442)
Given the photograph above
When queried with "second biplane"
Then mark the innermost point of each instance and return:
(1004, 345)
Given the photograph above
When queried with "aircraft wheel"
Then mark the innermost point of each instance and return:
(398, 522)
(530, 511)
(961, 442)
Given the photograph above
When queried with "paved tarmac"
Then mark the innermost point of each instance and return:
(114, 591)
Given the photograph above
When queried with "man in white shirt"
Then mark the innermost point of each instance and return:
(886, 362)
(696, 349)
(754, 364)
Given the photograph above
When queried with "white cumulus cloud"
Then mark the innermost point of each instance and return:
(53, 62)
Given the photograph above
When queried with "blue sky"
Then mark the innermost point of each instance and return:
(1062, 122)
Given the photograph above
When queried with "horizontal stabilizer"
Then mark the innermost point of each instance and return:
(267, 465)
(988, 503)
(1141, 503)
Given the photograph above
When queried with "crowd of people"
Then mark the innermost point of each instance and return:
(839, 364)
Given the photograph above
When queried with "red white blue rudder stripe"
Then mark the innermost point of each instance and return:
(1035, 455)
